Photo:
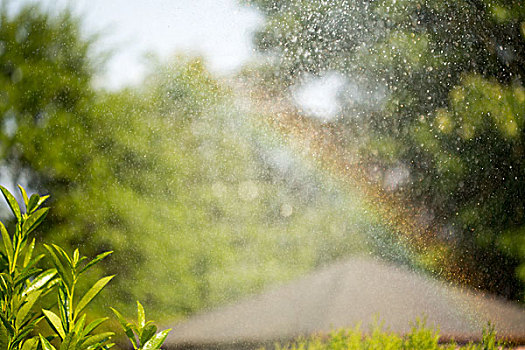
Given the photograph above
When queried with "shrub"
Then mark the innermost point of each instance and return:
(419, 338)
(23, 284)
(70, 325)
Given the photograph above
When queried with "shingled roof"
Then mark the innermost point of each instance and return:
(341, 295)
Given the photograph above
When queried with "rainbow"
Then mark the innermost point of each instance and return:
(318, 143)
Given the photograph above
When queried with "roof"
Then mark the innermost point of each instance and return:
(360, 289)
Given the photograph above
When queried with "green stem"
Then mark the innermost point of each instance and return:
(71, 314)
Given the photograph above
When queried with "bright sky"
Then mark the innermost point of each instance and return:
(317, 96)
(220, 30)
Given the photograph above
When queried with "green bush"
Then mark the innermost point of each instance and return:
(419, 338)
(23, 284)
(70, 325)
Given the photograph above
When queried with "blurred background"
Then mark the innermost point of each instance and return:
(219, 147)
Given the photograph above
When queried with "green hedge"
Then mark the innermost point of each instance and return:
(420, 337)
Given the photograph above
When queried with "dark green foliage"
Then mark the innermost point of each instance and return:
(442, 87)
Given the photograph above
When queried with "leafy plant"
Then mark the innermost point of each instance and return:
(22, 284)
(420, 337)
(69, 324)
(488, 338)
(142, 335)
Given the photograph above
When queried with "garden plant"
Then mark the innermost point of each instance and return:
(421, 337)
(142, 335)
(23, 284)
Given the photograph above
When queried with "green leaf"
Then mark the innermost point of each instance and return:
(97, 339)
(3, 283)
(4, 261)
(54, 322)
(156, 341)
(30, 344)
(94, 324)
(79, 326)
(4, 337)
(34, 220)
(97, 287)
(76, 256)
(64, 308)
(42, 200)
(69, 342)
(29, 253)
(126, 326)
(7, 242)
(61, 253)
(32, 262)
(40, 281)
(33, 203)
(147, 332)
(62, 265)
(96, 260)
(20, 337)
(123, 322)
(13, 204)
(141, 316)
(46, 345)
(24, 195)
(24, 310)
(25, 275)
(7, 325)
(30, 324)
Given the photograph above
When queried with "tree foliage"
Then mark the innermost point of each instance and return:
(441, 94)
(173, 176)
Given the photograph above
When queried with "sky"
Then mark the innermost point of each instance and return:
(317, 96)
(219, 30)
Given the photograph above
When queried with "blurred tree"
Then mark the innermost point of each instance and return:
(53, 139)
(232, 219)
(199, 204)
(441, 93)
